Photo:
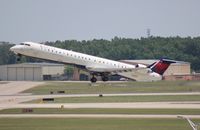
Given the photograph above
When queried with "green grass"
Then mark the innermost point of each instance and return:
(109, 99)
(124, 87)
(92, 124)
(103, 111)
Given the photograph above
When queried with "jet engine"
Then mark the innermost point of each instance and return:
(140, 66)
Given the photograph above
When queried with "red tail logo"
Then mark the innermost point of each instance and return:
(161, 66)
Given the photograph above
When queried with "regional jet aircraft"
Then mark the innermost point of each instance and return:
(96, 66)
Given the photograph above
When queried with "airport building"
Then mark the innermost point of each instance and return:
(31, 71)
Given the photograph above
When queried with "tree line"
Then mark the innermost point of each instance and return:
(184, 49)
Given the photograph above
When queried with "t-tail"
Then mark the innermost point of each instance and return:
(161, 66)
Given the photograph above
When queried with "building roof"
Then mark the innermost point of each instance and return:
(39, 64)
(42, 63)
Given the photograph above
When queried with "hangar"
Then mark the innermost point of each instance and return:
(30, 71)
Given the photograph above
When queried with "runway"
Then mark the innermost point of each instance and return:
(135, 105)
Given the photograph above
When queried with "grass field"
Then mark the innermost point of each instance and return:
(103, 111)
(123, 87)
(92, 124)
(109, 99)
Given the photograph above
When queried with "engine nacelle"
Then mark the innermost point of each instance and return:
(140, 66)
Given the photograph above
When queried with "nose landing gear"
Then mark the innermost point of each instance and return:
(19, 57)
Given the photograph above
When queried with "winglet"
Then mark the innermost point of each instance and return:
(161, 66)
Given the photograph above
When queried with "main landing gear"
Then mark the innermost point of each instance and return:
(93, 79)
(103, 77)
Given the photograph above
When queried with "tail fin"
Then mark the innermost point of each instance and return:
(161, 66)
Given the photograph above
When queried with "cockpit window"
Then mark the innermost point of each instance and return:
(25, 44)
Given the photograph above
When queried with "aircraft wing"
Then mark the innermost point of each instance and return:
(108, 70)
(139, 74)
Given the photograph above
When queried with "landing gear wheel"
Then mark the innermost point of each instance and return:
(93, 80)
(19, 57)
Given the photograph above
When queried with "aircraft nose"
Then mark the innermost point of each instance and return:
(15, 49)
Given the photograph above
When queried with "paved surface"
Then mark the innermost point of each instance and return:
(90, 116)
(143, 105)
(15, 87)
(11, 88)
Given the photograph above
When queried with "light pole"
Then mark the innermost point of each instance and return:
(192, 124)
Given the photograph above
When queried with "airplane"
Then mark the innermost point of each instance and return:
(96, 66)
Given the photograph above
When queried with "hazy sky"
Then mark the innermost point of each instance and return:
(50, 20)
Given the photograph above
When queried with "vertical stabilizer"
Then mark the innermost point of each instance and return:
(161, 66)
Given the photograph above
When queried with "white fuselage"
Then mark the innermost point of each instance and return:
(91, 63)
(70, 57)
